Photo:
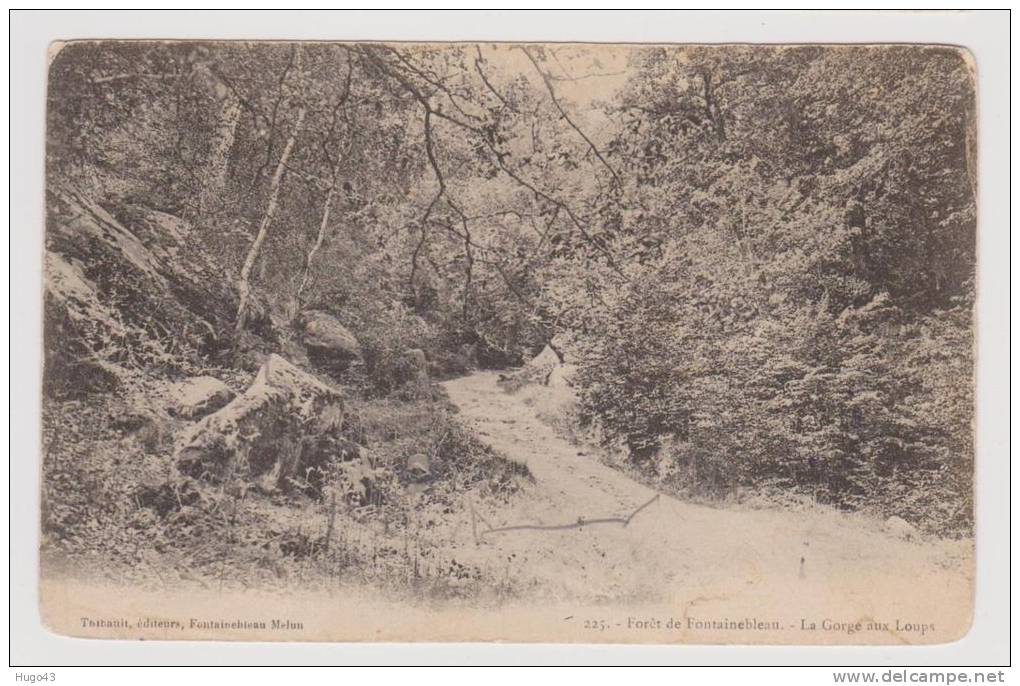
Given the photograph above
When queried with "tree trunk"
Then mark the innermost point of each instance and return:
(243, 281)
(323, 225)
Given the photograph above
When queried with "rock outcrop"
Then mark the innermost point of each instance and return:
(562, 376)
(198, 396)
(286, 430)
(328, 342)
(538, 370)
(129, 283)
(419, 467)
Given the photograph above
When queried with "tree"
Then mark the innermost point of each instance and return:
(755, 253)
(243, 281)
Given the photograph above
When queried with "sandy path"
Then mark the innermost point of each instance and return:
(694, 560)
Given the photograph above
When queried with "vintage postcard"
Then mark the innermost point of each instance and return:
(509, 342)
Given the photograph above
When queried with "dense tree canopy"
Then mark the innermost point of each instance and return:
(761, 258)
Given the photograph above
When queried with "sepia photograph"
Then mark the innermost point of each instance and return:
(514, 341)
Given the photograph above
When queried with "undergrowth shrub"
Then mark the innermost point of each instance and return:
(863, 407)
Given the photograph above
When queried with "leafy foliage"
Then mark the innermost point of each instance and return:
(776, 334)
(762, 258)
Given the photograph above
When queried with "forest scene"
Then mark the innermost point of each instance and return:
(476, 322)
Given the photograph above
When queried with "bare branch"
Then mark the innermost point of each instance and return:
(566, 117)
(500, 158)
(492, 89)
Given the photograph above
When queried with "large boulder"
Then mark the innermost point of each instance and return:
(419, 467)
(562, 376)
(542, 364)
(285, 430)
(328, 342)
(538, 370)
(198, 396)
